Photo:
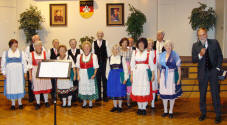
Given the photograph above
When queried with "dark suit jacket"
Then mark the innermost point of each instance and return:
(154, 47)
(215, 54)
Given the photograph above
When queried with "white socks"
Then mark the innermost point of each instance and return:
(165, 104)
(139, 105)
(152, 102)
(45, 97)
(19, 101)
(64, 101)
(90, 103)
(120, 103)
(172, 101)
(69, 100)
(84, 102)
(37, 97)
(13, 102)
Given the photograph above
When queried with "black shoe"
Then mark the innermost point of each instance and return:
(84, 106)
(164, 114)
(105, 100)
(113, 109)
(218, 120)
(21, 106)
(139, 112)
(170, 115)
(13, 107)
(37, 106)
(144, 112)
(202, 117)
(47, 104)
(119, 110)
(129, 106)
(98, 100)
(63, 106)
(90, 107)
(153, 108)
(69, 106)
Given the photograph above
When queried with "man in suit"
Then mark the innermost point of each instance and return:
(207, 53)
(159, 43)
(131, 44)
(101, 49)
(53, 55)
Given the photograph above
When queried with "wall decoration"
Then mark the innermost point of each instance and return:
(115, 14)
(58, 15)
(86, 8)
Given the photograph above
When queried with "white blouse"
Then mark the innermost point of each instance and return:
(12, 54)
(117, 60)
(86, 59)
(142, 56)
(68, 58)
(41, 56)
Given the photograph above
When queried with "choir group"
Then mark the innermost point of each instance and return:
(126, 71)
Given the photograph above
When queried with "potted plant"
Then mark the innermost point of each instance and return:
(30, 21)
(86, 38)
(203, 16)
(135, 23)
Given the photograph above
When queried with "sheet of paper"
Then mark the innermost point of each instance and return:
(54, 69)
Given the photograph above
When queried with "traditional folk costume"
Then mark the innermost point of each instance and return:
(40, 86)
(141, 67)
(128, 55)
(169, 90)
(65, 86)
(73, 53)
(117, 73)
(13, 66)
(88, 89)
(155, 82)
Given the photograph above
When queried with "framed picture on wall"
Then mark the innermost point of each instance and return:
(115, 14)
(58, 14)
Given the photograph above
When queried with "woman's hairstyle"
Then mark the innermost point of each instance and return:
(169, 42)
(142, 40)
(122, 40)
(38, 43)
(62, 46)
(86, 43)
(11, 42)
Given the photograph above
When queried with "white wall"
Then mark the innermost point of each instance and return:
(170, 15)
(173, 18)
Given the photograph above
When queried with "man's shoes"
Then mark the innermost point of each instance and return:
(218, 120)
(114, 109)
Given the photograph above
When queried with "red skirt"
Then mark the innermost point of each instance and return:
(146, 98)
(42, 92)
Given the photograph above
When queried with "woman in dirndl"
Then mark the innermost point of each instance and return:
(117, 74)
(65, 86)
(87, 65)
(14, 68)
(127, 54)
(142, 73)
(155, 82)
(40, 85)
(169, 78)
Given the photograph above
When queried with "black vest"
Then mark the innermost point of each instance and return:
(71, 54)
(101, 52)
(52, 54)
(31, 48)
(154, 47)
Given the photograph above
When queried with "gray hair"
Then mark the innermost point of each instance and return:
(38, 43)
(73, 39)
(162, 32)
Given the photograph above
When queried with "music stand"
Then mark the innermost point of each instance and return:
(54, 69)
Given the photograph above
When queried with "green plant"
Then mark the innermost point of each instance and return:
(135, 23)
(30, 21)
(203, 17)
(86, 38)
